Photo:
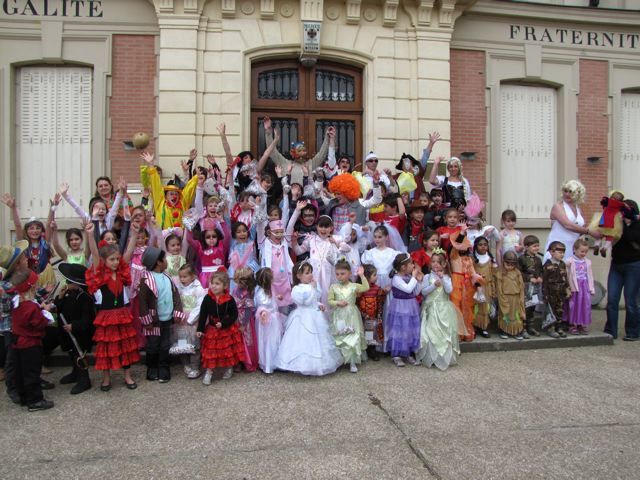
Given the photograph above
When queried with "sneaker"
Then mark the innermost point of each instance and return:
(533, 332)
(412, 361)
(353, 368)
(503, 335)
(228, 373)
(41, 405)
(206, 380)
(485, 334)
(562, 333)
(525, 335)
(398, 362)
(193, 373)
(552, 333)
(574, 331)
(187, 370)
(518, 336)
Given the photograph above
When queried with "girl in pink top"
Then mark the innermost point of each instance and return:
(209, 250)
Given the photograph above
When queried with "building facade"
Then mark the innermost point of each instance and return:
(534, 93)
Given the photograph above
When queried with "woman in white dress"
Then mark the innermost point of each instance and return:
(568, 222)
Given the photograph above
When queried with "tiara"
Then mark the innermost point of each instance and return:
(439, 251)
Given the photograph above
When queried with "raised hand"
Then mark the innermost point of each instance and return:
(122, 185)
(222, 129)
(56, 199)
(360, 271)
(279, 171)
(387, 172)
(301, 204)
(88, 226)
(266, 122)
(433, 138)
(8, 200)
(185, 166)
(211, 160)
(64, 188)
(193, 154)
(331, 131)
(147, 158)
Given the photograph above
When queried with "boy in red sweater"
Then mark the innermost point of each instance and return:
(27, 331)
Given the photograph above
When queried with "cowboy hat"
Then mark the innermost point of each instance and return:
(73, 273)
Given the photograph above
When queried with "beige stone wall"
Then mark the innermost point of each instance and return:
(205, 66)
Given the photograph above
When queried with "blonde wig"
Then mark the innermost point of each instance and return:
(576, 189)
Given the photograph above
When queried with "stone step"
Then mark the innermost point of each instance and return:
(497, 344)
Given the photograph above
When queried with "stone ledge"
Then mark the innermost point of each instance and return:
(497, 344)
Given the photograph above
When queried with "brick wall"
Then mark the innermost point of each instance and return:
(593, 127)
(132, 106)
(468, 115)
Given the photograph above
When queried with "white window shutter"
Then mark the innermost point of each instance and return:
(629, 141)
(527, 176)
(54, 137)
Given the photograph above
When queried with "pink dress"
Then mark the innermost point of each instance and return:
(246, 321)
(281, 284)
(210, 259)
(137, 270)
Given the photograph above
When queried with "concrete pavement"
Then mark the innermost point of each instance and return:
(556, 413)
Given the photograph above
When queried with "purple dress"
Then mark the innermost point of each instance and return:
(403, 319)
(580, 301)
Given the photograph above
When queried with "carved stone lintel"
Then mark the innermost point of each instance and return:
(228, 8)
(390, 12)
(425, 8)
(267, 9)
(190, 6)
(353, 11)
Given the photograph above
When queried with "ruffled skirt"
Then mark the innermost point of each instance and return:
(222, 347)
(403, 327)
(115, 339)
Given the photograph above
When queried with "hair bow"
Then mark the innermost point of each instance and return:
(172, 231)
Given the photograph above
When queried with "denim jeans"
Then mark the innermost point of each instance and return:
(624, 276)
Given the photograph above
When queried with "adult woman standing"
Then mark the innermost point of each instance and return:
(568, 222)
(624, 273)
(105, 191)
(455, 187)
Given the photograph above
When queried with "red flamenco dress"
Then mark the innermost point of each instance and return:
(115, 336)
(220, 347)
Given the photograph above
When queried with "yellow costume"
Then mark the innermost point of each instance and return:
(166, 215)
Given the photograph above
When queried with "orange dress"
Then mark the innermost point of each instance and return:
(464, 278)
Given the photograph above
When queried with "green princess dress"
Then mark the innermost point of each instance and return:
(346, 328)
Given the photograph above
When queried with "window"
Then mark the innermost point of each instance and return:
(53, 116)
(303, 102)
(629, 141)
(527, 176)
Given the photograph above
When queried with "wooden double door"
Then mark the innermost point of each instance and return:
(302, 102)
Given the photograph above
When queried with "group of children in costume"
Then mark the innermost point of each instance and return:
(278, 265)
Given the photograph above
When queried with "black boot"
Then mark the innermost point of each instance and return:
(73, 376)
(84, 382)
(372, 353)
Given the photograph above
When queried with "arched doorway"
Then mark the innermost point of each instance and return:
(302, 102)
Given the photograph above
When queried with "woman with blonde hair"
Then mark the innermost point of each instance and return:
(568, 222)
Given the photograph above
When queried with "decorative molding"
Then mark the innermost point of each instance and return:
(287, 10)
(267, 9)
(190, 6)
(390, 12)
(164, 6)
(448, 13)
(370, 14)
(354, 11)
(228, 8)
(311, 10)
(332, 13)
(247, 7)
(425, 9)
